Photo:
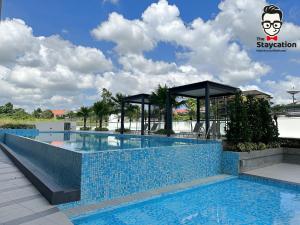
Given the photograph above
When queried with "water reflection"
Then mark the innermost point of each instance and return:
(89, 142)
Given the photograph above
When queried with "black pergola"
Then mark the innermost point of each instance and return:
(202, 90)
(142, 99)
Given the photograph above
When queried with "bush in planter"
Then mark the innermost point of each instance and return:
(250, 122)
(246, 146)
(85, 128)
(261, 146)
(101, 129)
(163, 132)
(241, 147)
(125, 130)
(17, 126)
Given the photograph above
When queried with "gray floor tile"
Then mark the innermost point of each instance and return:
(13, 212)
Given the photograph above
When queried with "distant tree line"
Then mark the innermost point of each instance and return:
(9, 111)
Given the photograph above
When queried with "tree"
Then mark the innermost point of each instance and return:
(104, 107)
(250, 120)
(191, 105)
(37, 113)
(47, 114)
(7, 108)
(132, 111)
(117, 104)
(84, 113)
(101, 109)
(238, 129)
(268, 127)
(159, 98)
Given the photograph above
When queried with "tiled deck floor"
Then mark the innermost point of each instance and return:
(282, 171)
(21, 203)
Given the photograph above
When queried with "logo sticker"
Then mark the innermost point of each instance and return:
(271, 24)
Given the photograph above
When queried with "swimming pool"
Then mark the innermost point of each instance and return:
(94, 142)
(235, 201)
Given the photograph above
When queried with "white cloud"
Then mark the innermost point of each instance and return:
(130, 36)
(53, 72)
(42, 70)
(279, 89)
(115, 2)
(209, 47)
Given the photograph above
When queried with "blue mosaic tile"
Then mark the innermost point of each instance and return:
(20, 132)
(230, 163)
(111, 174)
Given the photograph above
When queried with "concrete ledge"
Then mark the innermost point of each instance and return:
(53, 192)
(258, 159)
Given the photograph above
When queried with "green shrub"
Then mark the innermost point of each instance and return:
(261, 146)
(241, 147)
(125, 130)
(250, 120)
(250, 146)
(164, 132)
(17, 126)
(246, 146)
(85, 128)
(101, 129)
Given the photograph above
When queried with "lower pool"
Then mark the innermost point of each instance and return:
(235, 201)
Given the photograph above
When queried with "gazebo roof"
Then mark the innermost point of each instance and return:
(197, 90)
(138, 98)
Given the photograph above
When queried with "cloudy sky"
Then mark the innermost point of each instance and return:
(60, 54)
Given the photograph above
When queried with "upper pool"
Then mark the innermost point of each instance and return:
(94, 142)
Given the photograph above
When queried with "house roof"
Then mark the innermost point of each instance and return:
(181, 110)
(58, 112)
(255, 93)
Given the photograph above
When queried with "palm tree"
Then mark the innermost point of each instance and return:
(132, 111)
(191, 105)
(117, 105)
(159, 98)
(102, 109)
(84, 112)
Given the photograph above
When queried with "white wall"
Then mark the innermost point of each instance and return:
(289, 127)
(54, 126)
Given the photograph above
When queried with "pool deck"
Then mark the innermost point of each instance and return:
(21, 203)
(281, 171)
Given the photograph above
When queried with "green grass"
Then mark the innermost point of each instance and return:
(8, 120)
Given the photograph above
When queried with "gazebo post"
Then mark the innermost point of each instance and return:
(149, 116)
(198, 110)
(143, 116)
(207, 110)
(122, 116)
(168, 114)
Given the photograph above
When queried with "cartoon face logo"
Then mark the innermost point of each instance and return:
(271, 21)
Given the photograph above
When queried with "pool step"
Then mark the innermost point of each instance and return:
(52, 191)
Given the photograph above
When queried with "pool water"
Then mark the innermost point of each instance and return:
(235, 201)
(93, 142)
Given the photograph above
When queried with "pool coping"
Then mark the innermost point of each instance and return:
(52, 192)
(21, 203)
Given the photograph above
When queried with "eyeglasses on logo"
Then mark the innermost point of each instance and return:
(271, 24)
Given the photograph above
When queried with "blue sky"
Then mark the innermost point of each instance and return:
(75, 21)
